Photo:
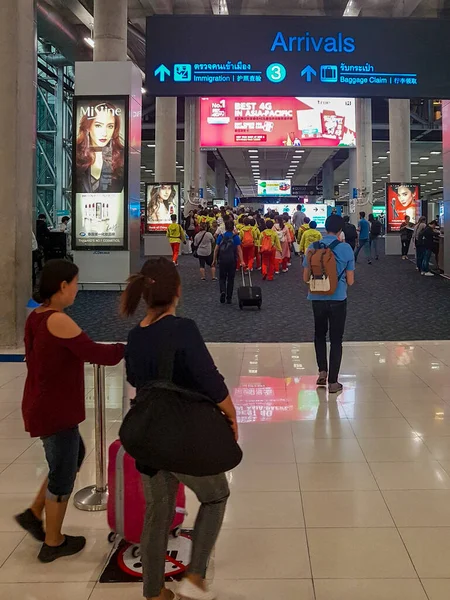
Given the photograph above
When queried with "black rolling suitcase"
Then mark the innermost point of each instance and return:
(248, 295)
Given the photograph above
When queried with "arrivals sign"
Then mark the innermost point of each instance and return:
(297, 56)
(260, 121)
(402, 199)
(99, 176)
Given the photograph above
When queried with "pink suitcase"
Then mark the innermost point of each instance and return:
(126, 502)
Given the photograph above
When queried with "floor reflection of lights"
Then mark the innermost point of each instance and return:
(278, 399)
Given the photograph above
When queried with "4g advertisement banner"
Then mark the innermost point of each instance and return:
(99, 176)
(275, 122)
(402, 199)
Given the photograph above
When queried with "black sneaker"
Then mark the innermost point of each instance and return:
(222, 298)
(71, 545)
(229, 301)
(28, 521)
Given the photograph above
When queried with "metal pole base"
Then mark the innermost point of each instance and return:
(91, 499)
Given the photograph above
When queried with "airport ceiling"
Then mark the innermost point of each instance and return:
(66, 23)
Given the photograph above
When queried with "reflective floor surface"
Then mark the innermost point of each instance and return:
(343, 498)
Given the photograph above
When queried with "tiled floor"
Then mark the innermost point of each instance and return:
(337, 499)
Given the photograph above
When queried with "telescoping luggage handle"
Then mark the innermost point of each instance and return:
(249, 276)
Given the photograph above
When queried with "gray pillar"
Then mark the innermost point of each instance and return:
(364, 172)
(203, 173)
(220, 179)
(328, 179)
(400, 140)
(352, 181)
(191, 152)
(17, 176)
(231, 192)
(446, 183)
(166, 139)
(110, 30)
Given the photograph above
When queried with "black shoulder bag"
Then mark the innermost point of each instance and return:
(174, 429)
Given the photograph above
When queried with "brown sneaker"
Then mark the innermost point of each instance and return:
(335, 388)
(322, 379)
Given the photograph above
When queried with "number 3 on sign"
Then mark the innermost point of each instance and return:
(276, 72)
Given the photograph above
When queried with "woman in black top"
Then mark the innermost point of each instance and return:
(159, 285)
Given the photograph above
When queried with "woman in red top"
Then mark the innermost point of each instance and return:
(53, 402)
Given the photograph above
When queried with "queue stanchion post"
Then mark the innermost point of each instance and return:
(95, 497)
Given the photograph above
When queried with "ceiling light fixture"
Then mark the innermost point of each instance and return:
(150, 145)
(435, 152)
(143, 90)
(424, 158)
(89, 41)
(414, 163)
(382, 158)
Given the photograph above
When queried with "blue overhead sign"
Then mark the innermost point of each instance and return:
(196, 55)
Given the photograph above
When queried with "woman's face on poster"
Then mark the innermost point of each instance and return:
(164, 192)
(405, 196)
(102, 129)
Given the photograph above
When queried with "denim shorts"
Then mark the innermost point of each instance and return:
(65, 452)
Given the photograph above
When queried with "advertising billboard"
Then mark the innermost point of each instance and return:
(281, 208)
(162, 201)
(401, 199)
(275, 122)
(99, 176)
(274, 187)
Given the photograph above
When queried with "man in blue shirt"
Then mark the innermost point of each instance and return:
(228, 250)
(364, 237)
(330, 311)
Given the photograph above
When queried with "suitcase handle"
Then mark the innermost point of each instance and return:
(249, 277)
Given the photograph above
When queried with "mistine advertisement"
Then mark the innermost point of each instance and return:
(100, 172)
(163, 201)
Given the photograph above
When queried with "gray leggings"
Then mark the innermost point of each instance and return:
(160, 495)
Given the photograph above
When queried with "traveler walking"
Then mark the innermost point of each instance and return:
(418, 242)
(53, 402)
(190, 226)
(193, 369)
(310, 236)
(302, 230)
(351, 235)
(329, 306)
(249, 239)
(283, 256)
(363, 239)
(269, 245)
(426, 239)
(176, 235)
(406, 233)
(298, 218)
(203, 250)
(227, 252)
(375, 236)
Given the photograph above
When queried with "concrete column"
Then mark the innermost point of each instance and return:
(203, 173)
(110, 30)
(400, 140)
(17, 173)
(352, 181)
(231, 192)
(446, 184)
(166, 139)
(191, 152)
(220, 179)
(364, 172)
(328, 179)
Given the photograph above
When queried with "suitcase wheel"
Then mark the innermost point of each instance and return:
(176, 532)
(259, 305)
(111, 537)
(241, 306)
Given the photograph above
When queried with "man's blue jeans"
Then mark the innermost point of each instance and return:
(426, 261)
(363, 244)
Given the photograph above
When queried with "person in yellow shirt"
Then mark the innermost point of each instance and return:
(257, 233)
(269, 244)
(310, 236)
(302, 230)
(249, 240)
(176, 235)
